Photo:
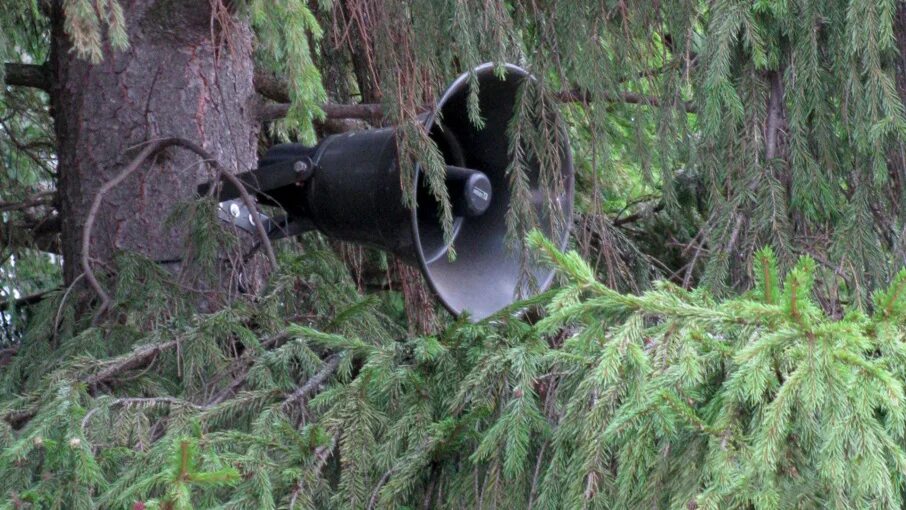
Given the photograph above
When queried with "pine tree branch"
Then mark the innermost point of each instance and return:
(533, 492)
(27, 148)
(7, 355)
(25, 301)
(581, 96)
(775, 115)
(139, 358)
(272, 87)
(275, 89)
(322, 453)
(639, 215)
(39, 233)
(372, 112)
(147, 401)
(142, 356)
(246, 361)
(44, 198)
(313, 382)
(372, 503)
(27, 75)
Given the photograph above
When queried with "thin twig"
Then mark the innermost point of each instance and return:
(534, 491)
(377, 489)
(56, 319)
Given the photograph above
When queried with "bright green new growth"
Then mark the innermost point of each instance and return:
(284, 28)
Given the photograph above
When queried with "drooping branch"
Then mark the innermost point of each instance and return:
(27, 75)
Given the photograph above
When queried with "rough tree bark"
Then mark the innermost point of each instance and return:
(173, 81)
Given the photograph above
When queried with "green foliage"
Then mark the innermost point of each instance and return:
(665, 399)
(286, 29)
(203, 410)
(705, 130)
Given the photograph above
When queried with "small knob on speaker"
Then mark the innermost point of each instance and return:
(477, 194)
(470, 191)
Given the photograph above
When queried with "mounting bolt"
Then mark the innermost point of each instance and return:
(234, 210)
(304, 168)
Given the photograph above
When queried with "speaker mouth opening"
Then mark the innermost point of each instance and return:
(488, 272)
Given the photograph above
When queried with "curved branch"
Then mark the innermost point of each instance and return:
(150, 150)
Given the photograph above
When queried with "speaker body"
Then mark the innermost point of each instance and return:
(355, 195)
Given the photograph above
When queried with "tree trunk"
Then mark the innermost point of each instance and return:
(173, 81)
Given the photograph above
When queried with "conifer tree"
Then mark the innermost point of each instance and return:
(727, 332)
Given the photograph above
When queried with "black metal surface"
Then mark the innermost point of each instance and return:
(354, 194)
(469, 190)
(269, 176)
